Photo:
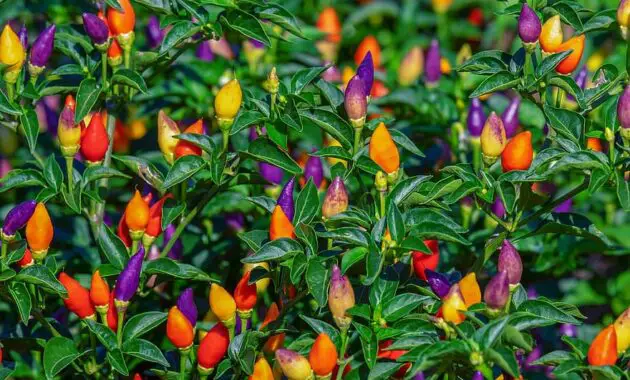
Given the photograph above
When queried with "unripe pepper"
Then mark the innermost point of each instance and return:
(336, 199)
(453, 305)
(340, 298)
(285, 200)
(469, 289)
(368, 44)
(26, 260)
(497, 292)
(423, 261)
(603, 349)
(551, 35)
(114, 54)
(411, 67)
(186, 148)
(39, 232)
(323, 355)
(68, 132)
(570, 63)
(212, 348)
(128, 281)
(17, 218)
(94, 140)
(97, 30)
(510, 117)
(433, 71)
(623, 112)
(383, 150)
(167, 130)
(223, 305)
(41, 51)
(179, 330)
(510, 261)
(438, 282)
(365, 71)
(78, 300)
(154, 33)
(99, 293)
(314, 169)
(294, 366)
(245, 296)
(476, 118)
(529, 27)
(493, 139)
(137, 216)
(355, 101)
(262, 370)
(23, 36)
(186, 304)
(623, 17)
(518, 153)
(227, 103)
(622, 331)
(12, 54)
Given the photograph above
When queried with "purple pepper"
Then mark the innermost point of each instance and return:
(497, 291)
(532, 293)
(476, 118)
(433, 71)
(23, 35)
(129, 278)
(43, 47)
(18, 217)
(95, 28)
(235, 221)
(510, 117)
(564, 207)
(419, 376)
(270, 173)
(331, 74)
(529, 26)
(477, 376)
(237, 328)
(154, 34)
(580, 80)
(568, 330)
(285, 200)
(314, 169)
(438, 282)
(623, 110)
(186, 304)
(498, 208)
(365, 71)
(177, 252)
(256, 44)
(204, 52)
(510, 262)
(355, 100)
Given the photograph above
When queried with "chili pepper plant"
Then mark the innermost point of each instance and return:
(248, 189)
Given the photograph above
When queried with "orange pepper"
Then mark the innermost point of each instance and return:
(551, 34)
(281, 226)
(137, 213)
(99, 291)
(178, 329)
(518, 153)
(222, 303)
(39, 231)
(370, 44)
(323, 355)
(469, 288)
(603, 350)
(383, 150)
(328, 23)
(245, 294)
(185, 148)
(121, 22)
(593, 143)
(78, 300)
(262, 370)
(570, 63)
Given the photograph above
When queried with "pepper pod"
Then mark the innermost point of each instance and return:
(497, 292)
(411, 67)
(186, 304)
(114, 54)
(622, 330)
(223, 306)
(623, 17)
(41, 51)
(551, 35)
(186, 148)
(154, 33)
(26, 260)
(441, 6)
(355, 102)
(39, 232)
(603, 349)
(23, 36)
(439, 283)
(385, 353)
(329, 24)
(493, 139)
(274, 342)
(510, 117)
(470, 290)
(336, 199)
(94, 140)
(282, 215)
(16, 219)
(571, 62)
(97, 30)
(78, 300)
(518, 153)
(453, 305)
(69, 133)
(212, 349)
(433, 69)
(263, 283)
(121, 24)
(529, 28)
(365, 71)
(314, 169)
(510, 261)
(422, 261)
(245, 297)
(112, 315)
(293, 365)
(623, 114)
(137, 216)
(154, 226)
(340, 298)
(100, 295)
(127, 283)
(262, 370)
(323, 357)
(384, 152)
(227, 103)
(368, 45)
(167, 130)
(12, 54)
(179, 331)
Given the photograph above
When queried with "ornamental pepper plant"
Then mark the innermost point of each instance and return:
(302, 190)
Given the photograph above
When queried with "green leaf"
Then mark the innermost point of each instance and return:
(566, 123)
(600, 21)
(264, 201)
(486, 62)
(496, 82)
(104, 334)
(548, 311)
(304, 77)
(317, 278)
(21, 178)
(623, 190)
(554, 358)
(169, 267)
(307, 235)
(179, 32)
(307, 204)
(96, 172)
(351, 257)
(22, 299)
(30, 126)
(278, 249)
(395, 223)
(117, 360)
(550, 62)
(183, 168)
(405, 142)
(143, 168)
(282, 17)
(7, 107)
(59, 353)
(53, 173)
(569, 224)
(40, 275)
(220, 3)
(406, 187)
(505, 359)
(332, 124)
(488, 334)
(262, 149)
(333, 151)
(244, 119)
(402, 305)
(322, 327)
(130, 78)
(369, 343)
(246, 24)
(383, 370)
(569, 15)
(87, 96)
(145, 350)
(349, 235)
(333, 95)
(141, 324)
(113, 248)
(436, 230)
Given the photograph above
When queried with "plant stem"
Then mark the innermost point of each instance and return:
(342, 353)
(134, 247)
(70, 171)
(381, 195)
(611, 150)
(226, 140)
(559, 97)
(11, 91)
(357, 140)
(476, 146)
(5, 247)
(121, 317)
(104, 70)
(191, 215)
(552, 204)
(244, 325)
(182, 365)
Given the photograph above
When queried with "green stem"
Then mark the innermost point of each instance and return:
(611, 149)
(272, 105)
(134, 247)
(121, 317)
(182, 365)
(342, 353)
(476, 146)
(226, 140)
(381, 195)
(628, 55)
(357, 140)
(244, 325)
(191, 215)
(103, 316)
(70, 171)
(552, 204)
(5, 248)
(11, 91)
(559, 97)
(104, 70)
(41, 319)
